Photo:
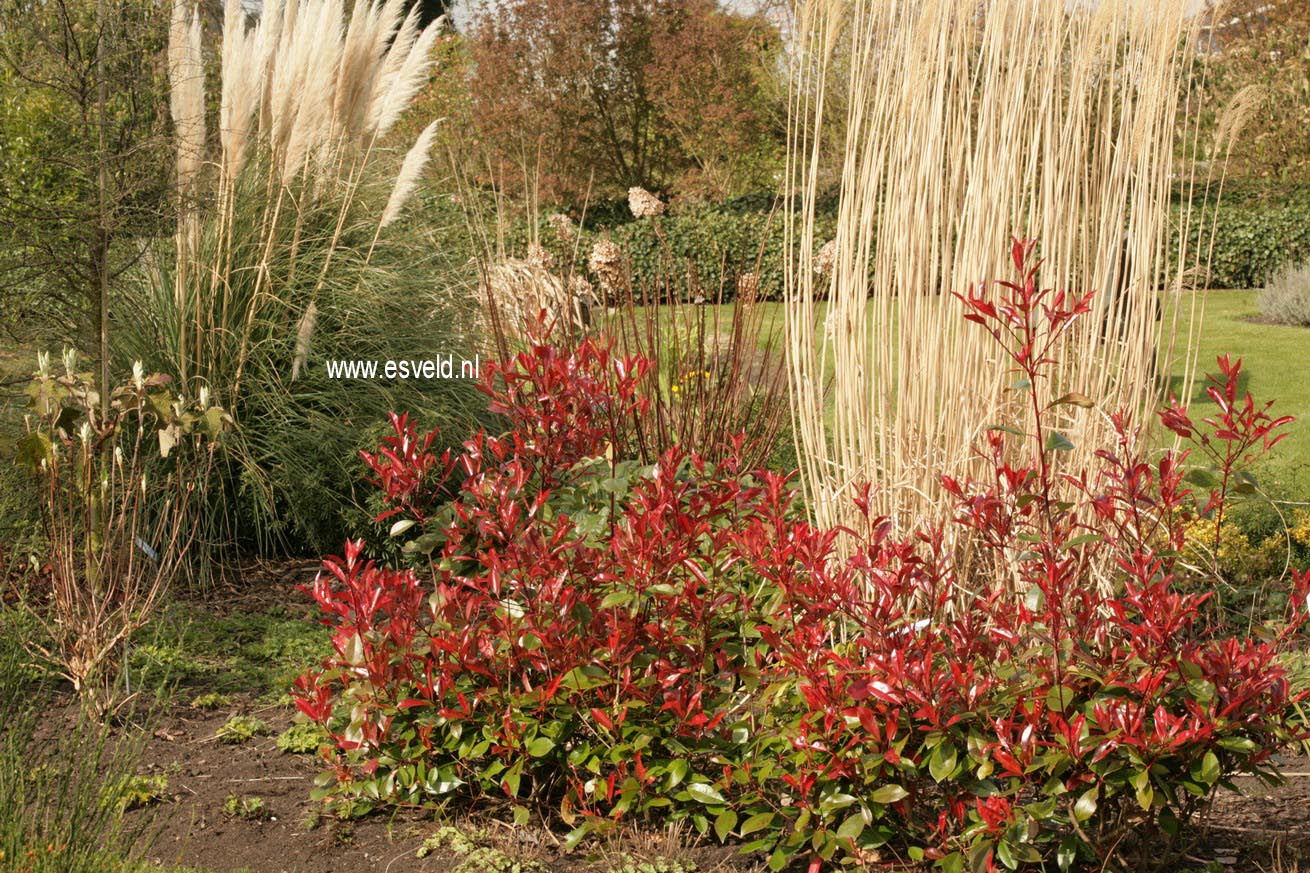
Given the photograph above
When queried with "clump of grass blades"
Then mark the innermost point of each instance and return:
(719, 372)
(61, 802)
(291, 251)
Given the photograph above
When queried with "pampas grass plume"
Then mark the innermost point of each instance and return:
(410, 171)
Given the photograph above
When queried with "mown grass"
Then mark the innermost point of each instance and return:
(1276, 367)
(1275, 361)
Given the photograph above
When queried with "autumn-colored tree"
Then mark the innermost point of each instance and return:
(572, 96)
(713, 87)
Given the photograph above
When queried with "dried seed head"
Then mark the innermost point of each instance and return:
(826, 258)
(563, 226)
(643, 203)
(748, 287)
(539, 257)
(606, 263)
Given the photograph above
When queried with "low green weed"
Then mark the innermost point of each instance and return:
(304, 738)
(240, 729)
(211, 700)
(258, 653)
(62, 802)
(247, 806)
(474, 857)
(137, 791)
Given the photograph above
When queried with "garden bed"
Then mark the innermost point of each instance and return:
(1261, 828)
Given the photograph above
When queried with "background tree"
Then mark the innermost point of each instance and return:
(1261, 49)
(714, 79)
(84, 167)
(606, 94)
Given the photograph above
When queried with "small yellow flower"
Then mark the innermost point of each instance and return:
(1300, 531)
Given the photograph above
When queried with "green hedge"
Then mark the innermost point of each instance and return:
(1253, 236)
(697, 252)
(701, 250)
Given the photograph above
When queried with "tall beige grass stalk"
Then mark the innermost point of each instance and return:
(965, 123)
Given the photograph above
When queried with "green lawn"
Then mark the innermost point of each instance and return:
(1276, 366)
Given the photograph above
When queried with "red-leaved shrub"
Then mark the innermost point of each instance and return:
(594, 639)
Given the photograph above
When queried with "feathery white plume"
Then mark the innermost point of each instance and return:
(410, 170)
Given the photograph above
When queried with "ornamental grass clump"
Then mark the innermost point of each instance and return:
(594, 640)
(292, 250)
(1057, 118)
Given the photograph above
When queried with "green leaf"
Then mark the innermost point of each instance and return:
(677, 772)
(1083, 540)
(442, 781)
(616, 598)
(512, 779)
(32, 450)
(1058, 442)
(575, 836)
(1006, 855)
(834, 802)
(540, 747)
(1059, 698)
(1210, 768)
(1145, 795)
(952, 863)
(724, 824)
(705, 793)
(1085, 807)
(852, 827)
(1067, 854)
(521, 816)
(941, 764)
(1169, 822)
(757, 822)
(888, 794)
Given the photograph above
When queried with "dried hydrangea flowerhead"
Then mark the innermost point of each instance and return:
(580, 288)
(606, 263)
(540, 258)
(584, 300)
(643, 203)
(563, 226)
(826, 259)
(748, 287)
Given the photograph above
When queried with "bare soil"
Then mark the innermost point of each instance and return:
(1261, 828)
